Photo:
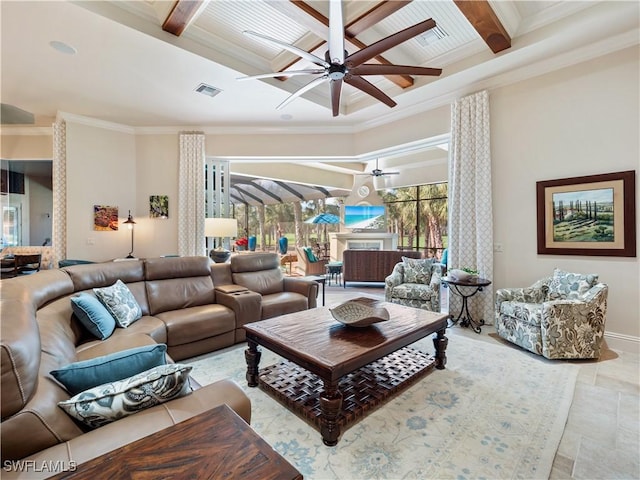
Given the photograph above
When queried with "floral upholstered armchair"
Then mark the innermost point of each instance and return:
(562, 316)
(415, 282)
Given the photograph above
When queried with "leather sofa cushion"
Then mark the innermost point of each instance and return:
(178, 293)
(263, 282)
(121, 339)
(46, 286)
(176, 267)
(282, 303)
(254, 262)
(85, 277)
(195, 323)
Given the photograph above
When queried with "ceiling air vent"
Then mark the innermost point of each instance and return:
(431, 36)
(208, 90)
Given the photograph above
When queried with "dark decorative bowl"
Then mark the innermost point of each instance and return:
(219, 256)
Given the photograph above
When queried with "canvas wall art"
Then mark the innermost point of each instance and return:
(105, 218)
(159, 206)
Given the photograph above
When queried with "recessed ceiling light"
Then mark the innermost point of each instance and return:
(286, 116)
(63, 47)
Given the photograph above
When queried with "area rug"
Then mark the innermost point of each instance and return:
(494, 412)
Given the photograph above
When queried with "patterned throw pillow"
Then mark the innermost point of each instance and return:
(93, 315)
(111, 401)
(417, 270)
(566, 285)
(79, 376)
(120, 302)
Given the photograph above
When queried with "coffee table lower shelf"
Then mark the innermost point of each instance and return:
(362, 390)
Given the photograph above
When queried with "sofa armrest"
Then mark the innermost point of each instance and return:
(246, 305)
(574, 328)
(396, 277)
(306, 287)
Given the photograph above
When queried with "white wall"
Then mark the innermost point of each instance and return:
(157, 167)
(581, 120)
(101, 170)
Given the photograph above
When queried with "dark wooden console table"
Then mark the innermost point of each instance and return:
(215, 444)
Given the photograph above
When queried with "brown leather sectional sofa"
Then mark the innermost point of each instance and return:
(186, 304)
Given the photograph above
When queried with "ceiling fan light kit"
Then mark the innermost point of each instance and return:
(338, 66)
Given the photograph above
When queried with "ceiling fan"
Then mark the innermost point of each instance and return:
(376, 172)
(338, 66)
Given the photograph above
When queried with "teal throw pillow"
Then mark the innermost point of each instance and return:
(310, 255)
(120, 302)
(111, 401)
(80, 376)
(93, 315)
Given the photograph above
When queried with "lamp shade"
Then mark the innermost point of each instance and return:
(220, 227)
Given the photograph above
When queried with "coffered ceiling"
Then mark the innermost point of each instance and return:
(127, 69)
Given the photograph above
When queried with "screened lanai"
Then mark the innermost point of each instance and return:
(259, 191)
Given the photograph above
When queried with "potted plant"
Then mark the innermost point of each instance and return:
(241, 244)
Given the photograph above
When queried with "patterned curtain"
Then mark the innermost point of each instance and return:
(191, 240)
(59, 178)
(470, 207)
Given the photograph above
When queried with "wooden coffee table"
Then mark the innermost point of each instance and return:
(215, 444)
(334, 374)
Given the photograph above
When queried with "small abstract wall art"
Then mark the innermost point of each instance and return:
(159, 206)
(105, 218)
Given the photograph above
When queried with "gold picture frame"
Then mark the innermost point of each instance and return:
(589, 215)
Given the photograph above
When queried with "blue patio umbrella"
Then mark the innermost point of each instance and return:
(326, 218)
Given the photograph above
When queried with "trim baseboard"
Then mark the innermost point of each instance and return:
(619, 341)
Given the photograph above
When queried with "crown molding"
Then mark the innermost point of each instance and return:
(95, 122)
(24, 130)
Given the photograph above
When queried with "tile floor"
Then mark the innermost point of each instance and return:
(602, 437)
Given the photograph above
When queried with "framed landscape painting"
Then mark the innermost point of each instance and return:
(591, 215)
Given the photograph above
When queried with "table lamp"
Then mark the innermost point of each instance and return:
(220, 228)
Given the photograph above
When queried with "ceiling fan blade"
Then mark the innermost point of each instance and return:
(298, 51)
(336, 32)
(369, 88)
(385, 44)
(313, 83)
(382, 69)
(285, 73)
(336, 89)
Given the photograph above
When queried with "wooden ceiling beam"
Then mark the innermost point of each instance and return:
(486, 22)
(181, 15)
(378, 13)
(387, 6)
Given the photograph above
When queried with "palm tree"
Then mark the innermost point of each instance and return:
(297, 218)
